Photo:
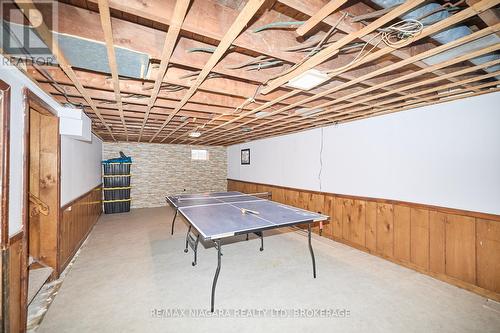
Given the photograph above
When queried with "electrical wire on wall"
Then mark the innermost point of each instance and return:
(319, 173)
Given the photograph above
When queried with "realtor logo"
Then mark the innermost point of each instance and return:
(27, 30)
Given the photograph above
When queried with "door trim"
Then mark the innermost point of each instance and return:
(31, 100)
(4, 205)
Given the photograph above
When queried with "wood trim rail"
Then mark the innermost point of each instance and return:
(73, 201)
(447, 210)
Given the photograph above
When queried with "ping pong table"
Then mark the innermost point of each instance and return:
(219, 215)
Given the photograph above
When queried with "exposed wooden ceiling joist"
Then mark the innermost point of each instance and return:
(490, 16)
(333, 49)
(312, 6)
(178, 96)
(108, 36)
(282, 120)
(436, 99)
(241, 21)
(408, 61)
(336, 110)
(100, 81)
(28, 6)
(261, 42)
(180, 10)
(319, 16)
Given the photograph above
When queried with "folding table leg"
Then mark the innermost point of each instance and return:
(173, 221)
(261, 235)
(187, 239)
(195, 250)
(311, 249)
(214, 284)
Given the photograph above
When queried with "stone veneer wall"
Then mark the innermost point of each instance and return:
(162, 169)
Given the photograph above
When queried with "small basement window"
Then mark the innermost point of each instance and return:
(199, 154)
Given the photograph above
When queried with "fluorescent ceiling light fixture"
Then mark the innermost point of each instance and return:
(308, 80)
(305, 112)
(195, 134)
(261, 114)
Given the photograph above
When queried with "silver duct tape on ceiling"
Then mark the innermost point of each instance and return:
(80, 52)
(448, 35)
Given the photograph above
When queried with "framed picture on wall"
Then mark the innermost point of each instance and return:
(245, 156)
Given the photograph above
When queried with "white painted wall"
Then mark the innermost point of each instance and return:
(18, 81)
(80, 167)
(445, 155)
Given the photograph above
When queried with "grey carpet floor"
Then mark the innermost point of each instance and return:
(132, 276)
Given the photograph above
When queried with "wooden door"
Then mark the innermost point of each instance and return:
(43, 187)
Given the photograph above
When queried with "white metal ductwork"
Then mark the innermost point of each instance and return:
(73, 122)
(449, 35)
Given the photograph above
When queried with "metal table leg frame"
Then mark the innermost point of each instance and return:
(192, 242)
(173, 221)
(195, 250)
(187, 239)
(214, 284)
(261, 235)
(311, 249)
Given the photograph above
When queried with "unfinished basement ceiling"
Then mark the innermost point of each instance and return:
(156, 71)
(88, 54)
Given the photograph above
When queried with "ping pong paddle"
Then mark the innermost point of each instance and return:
(244, 211)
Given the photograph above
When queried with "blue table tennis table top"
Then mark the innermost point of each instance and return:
(218, 215)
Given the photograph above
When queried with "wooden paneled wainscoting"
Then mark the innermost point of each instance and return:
(14, 284)
(77, 219)
(459, 247)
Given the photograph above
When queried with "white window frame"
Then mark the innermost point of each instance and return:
(199, 155)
